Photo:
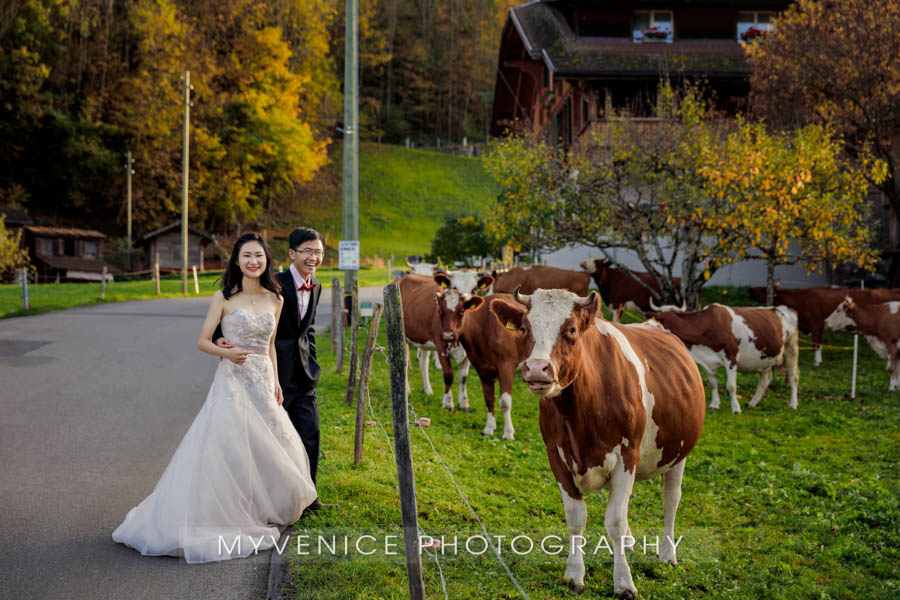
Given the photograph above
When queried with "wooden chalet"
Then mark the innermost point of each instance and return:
(165, 242)
(564, 63)
(66, 254)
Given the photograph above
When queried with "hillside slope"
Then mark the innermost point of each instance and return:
(403, 197)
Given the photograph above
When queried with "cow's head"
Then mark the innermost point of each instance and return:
(551, 323)
(451, 307)
(467, 282)
(596, 268)
(842, 317)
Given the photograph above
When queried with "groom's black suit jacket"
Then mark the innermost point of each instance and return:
(295, 341)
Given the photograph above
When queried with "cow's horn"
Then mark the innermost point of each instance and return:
(654, 307)
(409, 264)
(586, 300)
(523, 299)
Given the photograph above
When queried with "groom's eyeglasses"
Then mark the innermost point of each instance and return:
(307, 252)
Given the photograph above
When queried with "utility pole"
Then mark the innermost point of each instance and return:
(184, 181)
(351, 135)
(128, 173)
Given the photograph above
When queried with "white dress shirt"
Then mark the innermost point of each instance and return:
(304, 296)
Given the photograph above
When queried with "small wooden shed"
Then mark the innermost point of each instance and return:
(166, 242)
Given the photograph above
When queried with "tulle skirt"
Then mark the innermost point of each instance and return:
(239, 475)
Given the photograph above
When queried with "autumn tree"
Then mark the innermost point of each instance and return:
(836, 63)
(12, 255)
(790, 198)
(639, 187)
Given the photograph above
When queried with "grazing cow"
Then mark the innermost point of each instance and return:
(529, 279)
(619, 403)
(495, 352)
(432, 320)
(619, 288)
(880, 323)
(813, 305)
(753, 340)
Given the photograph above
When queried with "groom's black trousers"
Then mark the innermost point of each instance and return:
(303, 411)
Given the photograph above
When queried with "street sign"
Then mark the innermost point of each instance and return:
(348, 255)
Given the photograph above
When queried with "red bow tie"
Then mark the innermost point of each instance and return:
(306, 287)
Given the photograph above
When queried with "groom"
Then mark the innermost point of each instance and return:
(295, 340)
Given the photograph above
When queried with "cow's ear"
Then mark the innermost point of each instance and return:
(485, 282)
(473, 303)
(509, 316)
(442, 280)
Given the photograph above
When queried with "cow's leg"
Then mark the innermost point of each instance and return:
(713, 388)
(671, 498)
(490, 425)
(507, 376)
(816, 335)
(731, 386)
(423, 356)
(617, 314)
(447, 368)
(620, 486)
(459, 355)
(895, 371)
(576, 520)
(791, 355)
(765, 378)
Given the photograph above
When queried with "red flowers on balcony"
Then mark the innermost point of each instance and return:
(753, 33)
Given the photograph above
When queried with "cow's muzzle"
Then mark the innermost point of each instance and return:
(448, 336)
(539, 374)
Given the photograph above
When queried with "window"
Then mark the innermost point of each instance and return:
(652, 26)
(48, 247)
(69, 247)
(751, 25)
(90, 249)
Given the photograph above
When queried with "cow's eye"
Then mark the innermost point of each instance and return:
(522, 329)
(572, 331)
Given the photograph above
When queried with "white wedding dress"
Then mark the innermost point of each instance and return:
(241, 471)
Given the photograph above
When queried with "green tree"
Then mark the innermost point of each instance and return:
(462, 239)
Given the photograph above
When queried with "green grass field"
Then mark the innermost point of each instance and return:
(404, 196)
(56, 296)
(777, 503)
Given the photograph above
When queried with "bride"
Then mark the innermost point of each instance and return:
(241, 471)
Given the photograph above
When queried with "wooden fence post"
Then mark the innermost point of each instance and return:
(364, 372)
(26, 299)
(396, 340)
(103, 284)
(196, 283)
(337, 323)
(156, 273)
(354, 325)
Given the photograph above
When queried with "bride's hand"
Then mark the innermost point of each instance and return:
(279, 395)
(237, 355)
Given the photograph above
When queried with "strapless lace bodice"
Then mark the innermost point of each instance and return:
(244, 328)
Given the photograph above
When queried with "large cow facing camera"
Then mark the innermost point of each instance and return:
(619, 403)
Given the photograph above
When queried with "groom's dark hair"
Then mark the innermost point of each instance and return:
(302, 235)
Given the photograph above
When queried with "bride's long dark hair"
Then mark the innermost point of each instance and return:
(232, 279)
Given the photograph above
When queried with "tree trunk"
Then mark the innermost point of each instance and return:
(770, 281)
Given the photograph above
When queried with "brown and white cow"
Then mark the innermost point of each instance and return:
(745, 339)
(468, 282)
(432, 319)
(422, 268)
(813, 305)
(880, 323)
(495, 352)
(619, 403)
(529, 279)
(618, 288)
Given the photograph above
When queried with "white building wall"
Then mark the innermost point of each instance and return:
(751, 272)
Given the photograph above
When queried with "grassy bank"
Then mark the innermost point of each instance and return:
(403, 198)
(777, 503)
(57, 296)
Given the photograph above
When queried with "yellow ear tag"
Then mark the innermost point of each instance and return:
(509, 325)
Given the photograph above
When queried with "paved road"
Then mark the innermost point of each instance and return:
(93, 402)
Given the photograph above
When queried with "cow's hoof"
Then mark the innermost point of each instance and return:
(668, 559)
(626, 595)
(711, 407)
(736, 412)
(509, 436)
(578, 588)
(487, 433)
(465, 409)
